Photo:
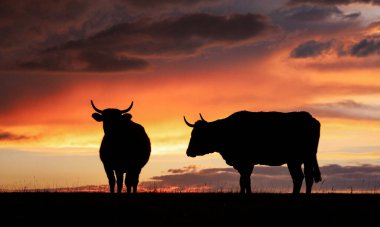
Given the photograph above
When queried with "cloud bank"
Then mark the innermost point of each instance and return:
(271, 179)
(365, 47)
(108, 36)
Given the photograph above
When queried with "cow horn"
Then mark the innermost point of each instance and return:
(96, 109)
(128, 109)
(202, 118)
(188, 124)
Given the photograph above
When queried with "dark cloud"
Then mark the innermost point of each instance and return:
(35, 20)
(27, 22)
(110, 49)
(333, 2)
(370, 45)
(346, 109)
(178, 35)
(335, 177)
(367, 46)
(314, 19)
(312, 13)
(311, 48)
(163, 3)
(28, 27)
(157, 8)
(7, 136)
(210, 27)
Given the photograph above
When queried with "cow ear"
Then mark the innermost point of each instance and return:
(97, 117)
(127, 116)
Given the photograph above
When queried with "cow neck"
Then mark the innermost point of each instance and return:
(214, 130)
(114, 136)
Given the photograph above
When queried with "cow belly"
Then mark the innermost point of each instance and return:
(270, 155)
(123, 161)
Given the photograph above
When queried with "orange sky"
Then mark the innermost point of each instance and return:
(209, 57)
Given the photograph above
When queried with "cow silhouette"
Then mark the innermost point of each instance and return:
(245, 139)
(125, 147)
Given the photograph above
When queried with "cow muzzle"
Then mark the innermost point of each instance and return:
(190, 154)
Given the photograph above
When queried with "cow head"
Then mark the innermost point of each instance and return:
(112, 118)
(200, 141)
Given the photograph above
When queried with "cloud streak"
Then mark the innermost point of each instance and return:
(348, 109)
(7, 136)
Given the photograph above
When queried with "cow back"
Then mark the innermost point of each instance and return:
(271, 138)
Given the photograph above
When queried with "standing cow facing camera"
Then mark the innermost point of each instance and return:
(245, 139)
(125, 147)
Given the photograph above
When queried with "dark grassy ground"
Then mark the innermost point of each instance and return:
(187, 209)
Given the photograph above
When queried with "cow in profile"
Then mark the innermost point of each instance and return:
(125, 147)
(245, 139)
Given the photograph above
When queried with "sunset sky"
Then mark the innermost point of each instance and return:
(184, 57)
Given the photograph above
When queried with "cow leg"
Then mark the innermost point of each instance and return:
(308, 169)
(245, 178)
(295, 171)
(128, 182)
(132, 180)
(119, 180)
(111, 178)
(135, 180)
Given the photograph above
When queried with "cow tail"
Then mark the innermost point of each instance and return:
(316, 173)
